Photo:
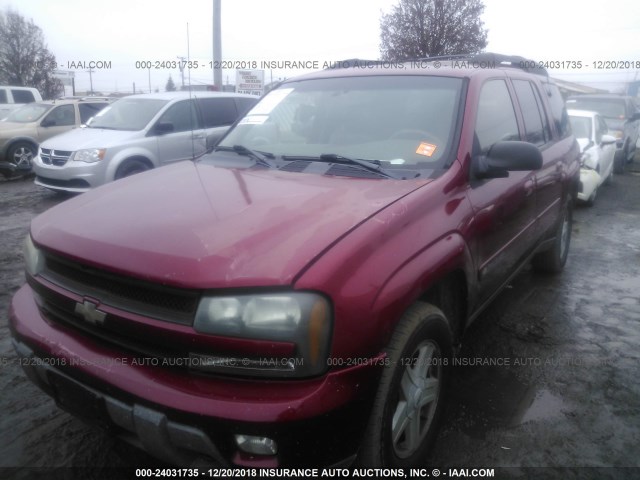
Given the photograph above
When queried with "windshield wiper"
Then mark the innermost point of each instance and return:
(370, 165)
(258, 157)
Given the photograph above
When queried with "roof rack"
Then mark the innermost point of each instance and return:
(486, 60)
(358, 62)
(85, 97)
(495, 60)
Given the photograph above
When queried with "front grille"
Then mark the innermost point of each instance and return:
(126, 293)
(54, 157)
(60, 309)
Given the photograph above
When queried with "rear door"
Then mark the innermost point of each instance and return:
(538, 132)
(504, 207)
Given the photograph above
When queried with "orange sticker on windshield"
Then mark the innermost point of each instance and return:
(426, 149)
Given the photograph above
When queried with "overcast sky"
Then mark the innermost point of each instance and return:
(125, 31)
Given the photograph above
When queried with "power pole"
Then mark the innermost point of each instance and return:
(90, 71)
(217, 44)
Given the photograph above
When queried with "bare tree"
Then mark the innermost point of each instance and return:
(24, 57)
(427, 28)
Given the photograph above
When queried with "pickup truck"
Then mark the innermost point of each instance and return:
(296, 296)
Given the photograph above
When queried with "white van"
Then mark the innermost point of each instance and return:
(135, 134)
(13, 97)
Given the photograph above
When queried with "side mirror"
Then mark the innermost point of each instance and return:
(634, 117)
(505, 157)
(162, 128)
(607, 140)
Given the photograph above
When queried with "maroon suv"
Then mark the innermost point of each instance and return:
(293, 298)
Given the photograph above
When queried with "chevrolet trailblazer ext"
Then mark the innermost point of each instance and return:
(294, 297)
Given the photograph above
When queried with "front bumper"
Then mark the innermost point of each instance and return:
(76, 177)
(589, 181)
(184, 417)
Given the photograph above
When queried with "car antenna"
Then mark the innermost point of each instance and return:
(191, 105)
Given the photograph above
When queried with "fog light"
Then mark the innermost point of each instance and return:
(257, 445)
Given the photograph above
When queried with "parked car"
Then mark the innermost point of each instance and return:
(622, 117)
(598, 149)
(25, 127)
(295, 296)
(13, 97)
(137, 133)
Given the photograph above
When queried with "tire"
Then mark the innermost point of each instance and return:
(21, 155)
(592, 198)
(619, 162)
(607, 181)
(411, 394)
(131, 167)
(553, 259)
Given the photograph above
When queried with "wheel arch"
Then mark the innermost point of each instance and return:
(9, 145)
(440, 275)
(137, 157)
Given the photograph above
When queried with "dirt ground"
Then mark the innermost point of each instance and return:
(562, 390)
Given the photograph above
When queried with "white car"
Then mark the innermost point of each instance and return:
(597, 151)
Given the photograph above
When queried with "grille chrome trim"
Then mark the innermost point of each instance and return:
(136, 296)
(56, 158)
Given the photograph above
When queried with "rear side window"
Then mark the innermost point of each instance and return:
(532, 112)
(558, 111)
(3, 96)
(496, 118)
(218, 112)
(88, 110)
(22, 96)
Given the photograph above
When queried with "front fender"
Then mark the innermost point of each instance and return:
(420, 273)
(127, 153)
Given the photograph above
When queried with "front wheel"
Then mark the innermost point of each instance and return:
(410, 397)
(619, 161)
(553, 259)
(131, 167)
(592, 198)
(21, 156)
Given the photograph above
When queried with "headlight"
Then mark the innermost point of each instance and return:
(300, 318)
(33, 258)
(90, 155)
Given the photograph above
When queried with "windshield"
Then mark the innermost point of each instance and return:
(581, 126)
(28, 113)
(127, 114)
(399, 121)
(609, 108)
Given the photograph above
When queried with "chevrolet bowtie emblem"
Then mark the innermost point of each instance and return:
(89, 311)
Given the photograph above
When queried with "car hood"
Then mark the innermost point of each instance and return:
(199, 226)
(80, 138)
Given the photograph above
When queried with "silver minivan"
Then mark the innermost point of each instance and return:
(137, 133)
